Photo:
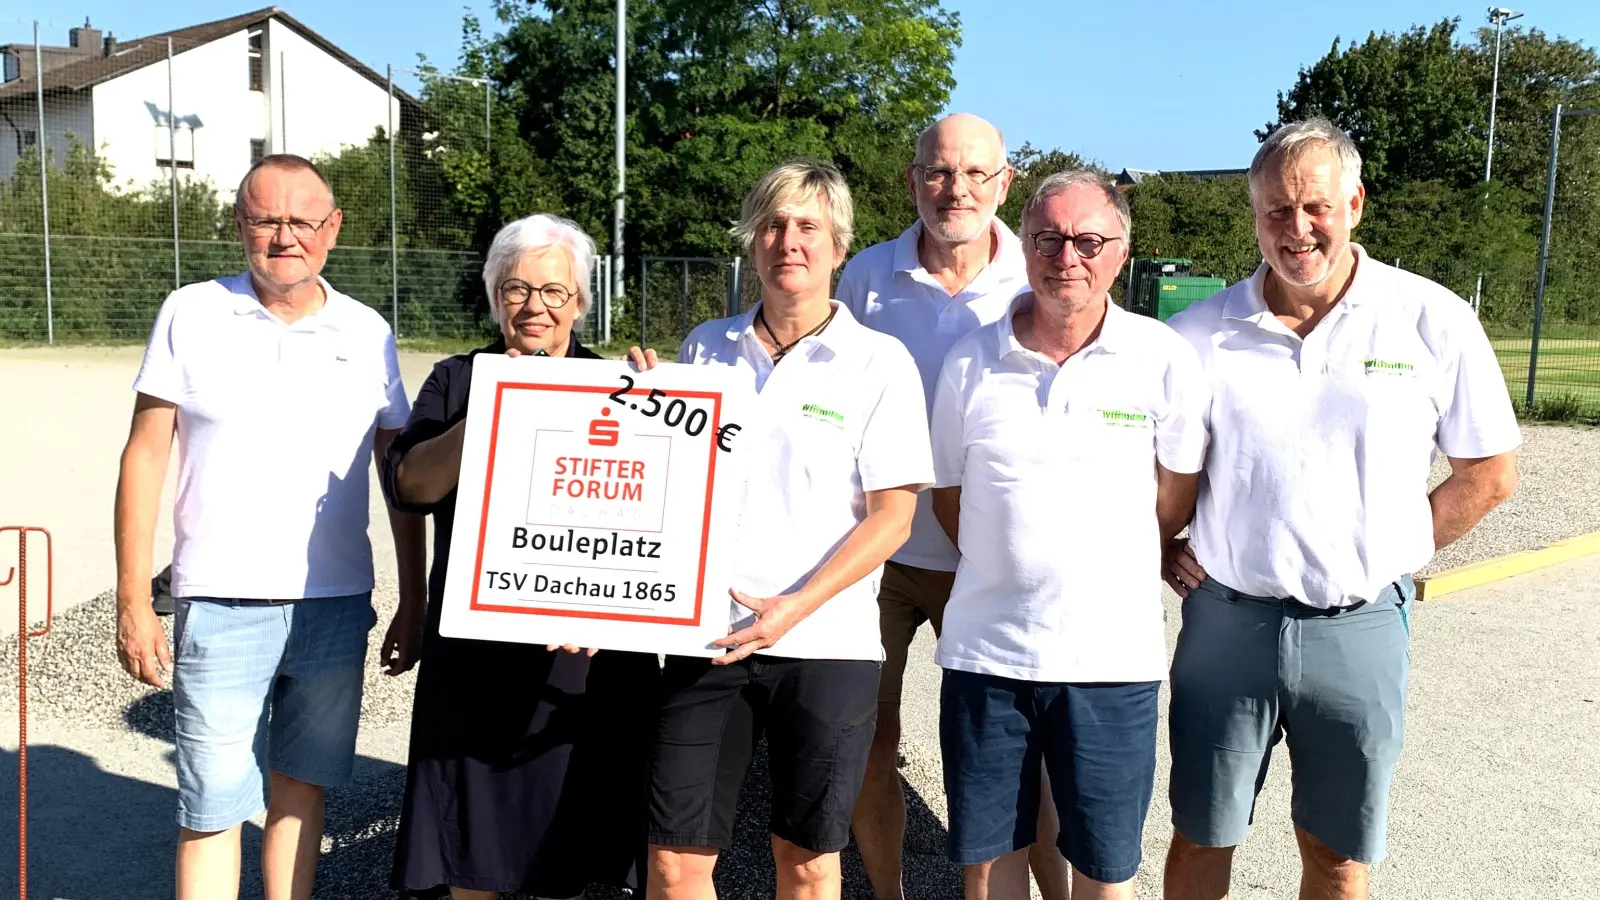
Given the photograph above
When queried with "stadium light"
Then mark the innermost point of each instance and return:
(1499, 16)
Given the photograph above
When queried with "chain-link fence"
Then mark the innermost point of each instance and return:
(110, 199)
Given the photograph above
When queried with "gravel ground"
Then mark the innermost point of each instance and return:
(1557, 496)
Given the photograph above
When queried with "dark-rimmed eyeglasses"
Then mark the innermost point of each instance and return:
(939, 176)
(262, 226)
(1087, 245)
(515, 292)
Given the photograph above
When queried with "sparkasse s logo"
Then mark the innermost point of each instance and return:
(604, 432)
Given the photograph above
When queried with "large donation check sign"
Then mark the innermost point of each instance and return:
(595, 506)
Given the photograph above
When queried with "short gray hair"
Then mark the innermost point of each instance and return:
(1295, 139)
(536, 232)
(1060, 181)
(797, 180)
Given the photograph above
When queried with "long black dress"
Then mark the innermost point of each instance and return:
(528, 769)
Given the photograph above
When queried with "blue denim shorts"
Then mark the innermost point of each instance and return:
(1098, 742)
(261, 689)
(1249, 671)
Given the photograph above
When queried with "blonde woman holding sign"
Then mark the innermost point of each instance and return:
(835, 454)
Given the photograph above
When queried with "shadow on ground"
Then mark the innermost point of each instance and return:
(97, 835)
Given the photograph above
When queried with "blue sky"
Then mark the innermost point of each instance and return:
(1174, 84)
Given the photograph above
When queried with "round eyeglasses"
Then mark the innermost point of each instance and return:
(515, 293)
(1087, 245)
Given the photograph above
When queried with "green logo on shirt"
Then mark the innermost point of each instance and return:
(1386, 367)
(813, 411)
(1123, 419)
(340, 359)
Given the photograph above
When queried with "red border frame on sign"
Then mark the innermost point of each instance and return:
(705, 524)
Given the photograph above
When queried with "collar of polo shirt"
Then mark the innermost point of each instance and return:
(1250, 304)
(1113, 336)
(905, 247)
(245, 301)
(842, 333)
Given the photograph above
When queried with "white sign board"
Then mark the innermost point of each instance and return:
(596, 505)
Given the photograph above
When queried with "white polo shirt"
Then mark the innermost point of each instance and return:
(841, 416)
(275, 427)
(1317, 483)
(1060, 576)
(889, 290)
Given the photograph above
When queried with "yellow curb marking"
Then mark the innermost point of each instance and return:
(1458, 579)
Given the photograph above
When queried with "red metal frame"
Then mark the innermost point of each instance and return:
(19, 572)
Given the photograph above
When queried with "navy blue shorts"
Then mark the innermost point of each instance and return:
(1099, 743)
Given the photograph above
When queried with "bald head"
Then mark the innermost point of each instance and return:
(959, 178)
(961, 131)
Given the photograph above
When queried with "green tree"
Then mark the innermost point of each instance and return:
(1033, 166)
(1206, 221)
(1411, 101)
(718, 92)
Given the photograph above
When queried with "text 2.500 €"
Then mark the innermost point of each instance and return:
(580, 587)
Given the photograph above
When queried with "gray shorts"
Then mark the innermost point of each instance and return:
(1250, 670)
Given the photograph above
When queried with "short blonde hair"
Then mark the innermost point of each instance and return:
(797, 180)
(537, 232)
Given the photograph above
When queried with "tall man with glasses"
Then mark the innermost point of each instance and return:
(955, 269)
(279, 389)
(1067, 438)
(1335, 379)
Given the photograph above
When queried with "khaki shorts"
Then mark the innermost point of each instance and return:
(908, 597)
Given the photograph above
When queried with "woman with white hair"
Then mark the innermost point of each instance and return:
(527, 765)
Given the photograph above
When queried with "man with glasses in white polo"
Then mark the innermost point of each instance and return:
(955, 269)
(1067, 441)
(279, 390)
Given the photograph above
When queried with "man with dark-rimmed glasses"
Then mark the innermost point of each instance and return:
(1066, 440)
(278, 389)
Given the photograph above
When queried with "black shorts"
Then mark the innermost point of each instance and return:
(818, 716)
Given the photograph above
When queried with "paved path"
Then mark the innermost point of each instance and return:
(1498, 792)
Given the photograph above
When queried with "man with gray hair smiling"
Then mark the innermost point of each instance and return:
(1334, 378)
(955, 269)
(1067, 438)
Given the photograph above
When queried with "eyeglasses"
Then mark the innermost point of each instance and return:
(515, 293)
(938, 176)
(301, 229)
(1087, 245)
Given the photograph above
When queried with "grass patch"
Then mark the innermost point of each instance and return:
(1562, 407)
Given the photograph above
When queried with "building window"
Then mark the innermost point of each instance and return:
(185, 149)
(257, 74)
(27, 139)
(258, 149)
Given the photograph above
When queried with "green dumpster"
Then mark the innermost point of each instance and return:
(1174, 295)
